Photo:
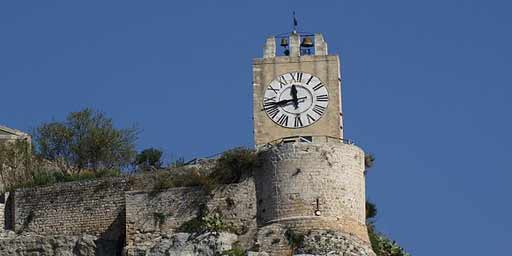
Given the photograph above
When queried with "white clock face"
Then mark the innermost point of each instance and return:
(295, 100)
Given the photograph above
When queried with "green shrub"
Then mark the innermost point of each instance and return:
(235, 251)
(107, 173)
(163, 181)
(191, 178)
(45, 178)
(369, 160)
(194, 225)
(371, 210)
(383, 246)
(160, 218)
(148, 158)
(214, 222)
(205, 221)
(234, 166)
(294, 239)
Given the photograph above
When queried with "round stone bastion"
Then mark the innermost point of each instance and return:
(312, 186)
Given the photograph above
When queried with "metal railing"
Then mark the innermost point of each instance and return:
(308, 139)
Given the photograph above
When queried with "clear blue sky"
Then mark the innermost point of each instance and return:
(426, 89)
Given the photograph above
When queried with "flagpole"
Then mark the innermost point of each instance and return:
(295, 23)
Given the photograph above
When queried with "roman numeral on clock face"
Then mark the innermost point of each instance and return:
(270, 99)
(318, 86)
(322, 98)
(298, 122)
(282, 81)
(271, 109)
(309, 80)
(283, 120)
(310, 119)
(297, 77)
(270, 88)
(319, 109)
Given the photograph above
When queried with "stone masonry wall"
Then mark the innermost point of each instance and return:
(295, 175)
(150, 214)
(73, 208)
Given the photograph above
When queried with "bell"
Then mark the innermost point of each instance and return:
(307, 42)
(284, 42)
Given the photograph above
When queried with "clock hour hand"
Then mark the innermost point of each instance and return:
(293, 93)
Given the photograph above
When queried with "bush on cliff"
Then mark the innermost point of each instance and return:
(190, 178)
(231, 167)
(44, 178)
(234, 165)
(381, 245)
(148, 159)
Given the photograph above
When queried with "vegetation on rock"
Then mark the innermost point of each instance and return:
(381, 245)
(234, 165)
(206, 221)
(369, 160)
(231, 167)
(149, 159)
(235, 251)
(86, 140)
(294, 239)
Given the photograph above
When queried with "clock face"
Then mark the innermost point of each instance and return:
(295, 100)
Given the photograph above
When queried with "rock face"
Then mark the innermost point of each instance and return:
(30, 244)
(277, 239)
(333, 243)
(185, 244)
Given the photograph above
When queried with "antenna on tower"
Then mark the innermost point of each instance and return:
(295, 23)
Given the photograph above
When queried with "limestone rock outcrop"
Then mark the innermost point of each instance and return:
(59, 245)
(184, 244)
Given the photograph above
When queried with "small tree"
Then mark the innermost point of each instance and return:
(86, 140)
(147, 158)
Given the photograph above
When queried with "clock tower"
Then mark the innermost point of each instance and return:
(297, 90)
(310, 178)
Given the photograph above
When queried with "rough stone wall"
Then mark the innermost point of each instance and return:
(237, 204)
(156, 212)
(73, 208)
(294, 176)
(2, 211)
(150, 214)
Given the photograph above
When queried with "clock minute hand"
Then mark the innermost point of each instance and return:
(283, 102)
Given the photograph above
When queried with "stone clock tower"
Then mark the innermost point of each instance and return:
(311, 179)
(297, 93)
